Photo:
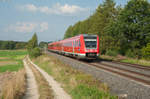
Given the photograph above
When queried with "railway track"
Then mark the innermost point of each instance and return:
(134, 85)
(132, 65)
(130, 74)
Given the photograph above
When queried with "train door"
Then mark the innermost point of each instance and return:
(73, 46)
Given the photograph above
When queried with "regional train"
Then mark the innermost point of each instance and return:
(83, 46)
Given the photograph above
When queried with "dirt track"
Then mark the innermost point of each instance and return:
(59, 93)
(32, 90)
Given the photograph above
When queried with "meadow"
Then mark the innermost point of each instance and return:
(11, 60)
(12, 74)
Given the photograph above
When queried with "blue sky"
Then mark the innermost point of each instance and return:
(19, 19)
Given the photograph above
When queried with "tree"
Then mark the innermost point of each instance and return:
(43, 44)
(102, 16)
(68, 32)
(105, 13)
(132, 26)
(35, 52)
(96, 23)
(146, 51)
(33, 42)
(32, 47)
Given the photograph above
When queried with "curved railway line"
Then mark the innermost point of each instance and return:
(132, 65)
(134, 81)
(133, 74)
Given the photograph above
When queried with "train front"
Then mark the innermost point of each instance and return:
(91, 47)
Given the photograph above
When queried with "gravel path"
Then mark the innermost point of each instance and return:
(32, 89)
(118, 85)
(59, 93)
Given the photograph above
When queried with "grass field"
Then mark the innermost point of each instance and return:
(11, 60)
(12, 87)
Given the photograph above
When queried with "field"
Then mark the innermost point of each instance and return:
(12, 74)
(11, 60)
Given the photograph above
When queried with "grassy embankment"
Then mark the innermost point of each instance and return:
(126, 60)
(11, 63)
(79, 85)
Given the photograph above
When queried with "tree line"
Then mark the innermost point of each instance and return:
(122, 30)
(12, 45)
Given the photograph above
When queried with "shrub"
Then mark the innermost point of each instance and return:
(130, 54)
(112, 53)
(35, 52)
(146, 51)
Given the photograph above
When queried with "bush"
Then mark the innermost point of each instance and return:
(112, 53)
(35, 52)
(146, 51)
(130, 54)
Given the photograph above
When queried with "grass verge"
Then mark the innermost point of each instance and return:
(45, 90)
(126, 60)
(79, 85)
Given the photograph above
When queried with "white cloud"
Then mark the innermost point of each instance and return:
(27, 27)
(43, 26)
(30, 7)
(55, 9)
(69, 9)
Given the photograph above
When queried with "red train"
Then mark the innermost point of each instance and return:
(81, 46)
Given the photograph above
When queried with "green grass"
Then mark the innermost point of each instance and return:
(88, 92)
(10, 68)
(78, 84)
(136, 61)
(126, 60)
(45, 67)
(14, 56)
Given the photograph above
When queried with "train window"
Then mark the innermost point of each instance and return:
(90, 44)
(76, 44)
(90, 37)
(79, 43)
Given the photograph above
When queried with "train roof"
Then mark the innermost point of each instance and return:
(75, 37)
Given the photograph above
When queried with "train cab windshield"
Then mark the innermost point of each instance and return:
(90, 42)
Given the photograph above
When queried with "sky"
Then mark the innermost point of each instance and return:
(20, 19)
